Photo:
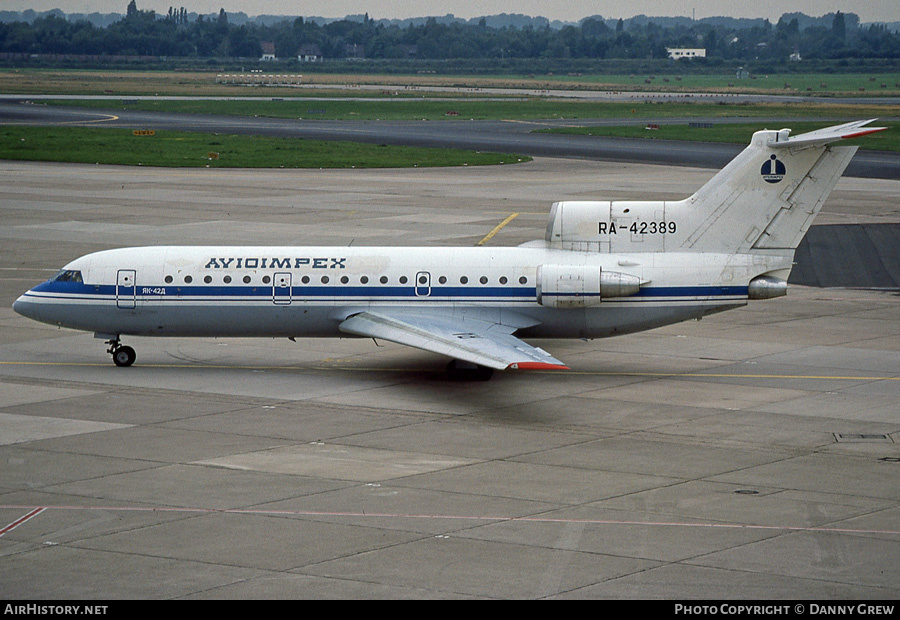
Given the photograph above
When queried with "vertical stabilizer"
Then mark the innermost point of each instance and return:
(768, 196)
(763, 201)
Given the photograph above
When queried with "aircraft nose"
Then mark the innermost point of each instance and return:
(26, 307)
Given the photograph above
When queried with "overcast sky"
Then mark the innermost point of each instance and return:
(571, 10)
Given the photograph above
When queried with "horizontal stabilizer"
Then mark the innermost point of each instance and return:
(823, 136)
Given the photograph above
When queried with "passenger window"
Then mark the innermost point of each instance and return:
(305, 279)
(246, 279)
(168, 279)
(207, 279)
(324, 279)
(403, 280)
(266, 279)
(188, 279)
(227, 279)
(364, 279)
(464, 280)
(523, 280)
(344, 279)
(443, 279)
(503, 280)
(483, 280)
(383, 280)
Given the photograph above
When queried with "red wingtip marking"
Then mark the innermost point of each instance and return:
(537, 366)
(863, 133)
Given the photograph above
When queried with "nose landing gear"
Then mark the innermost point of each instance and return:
(122, 355)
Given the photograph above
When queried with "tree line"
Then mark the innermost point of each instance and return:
(179, 34)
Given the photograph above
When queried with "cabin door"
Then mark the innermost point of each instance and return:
(281, 289)
(125, 289)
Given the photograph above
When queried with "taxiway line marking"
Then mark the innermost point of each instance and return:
(598, 373)
(497, 229)
(400, 515)
(22, 520)
(107, 119)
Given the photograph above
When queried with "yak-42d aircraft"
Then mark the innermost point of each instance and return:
(602, 269)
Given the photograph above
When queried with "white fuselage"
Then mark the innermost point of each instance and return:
(309, 291)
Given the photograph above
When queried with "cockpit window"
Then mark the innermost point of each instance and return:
(67, 275)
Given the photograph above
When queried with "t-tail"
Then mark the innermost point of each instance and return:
(758, 207)
(768, 196)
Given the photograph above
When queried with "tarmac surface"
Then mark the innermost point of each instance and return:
(751, 455)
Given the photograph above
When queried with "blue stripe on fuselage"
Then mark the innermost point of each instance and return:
(298, 293)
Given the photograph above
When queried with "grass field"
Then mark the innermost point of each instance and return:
(404, 102)
(518, 109)
(538, 109)
(183, 149)
(98, 82)
(820, 84)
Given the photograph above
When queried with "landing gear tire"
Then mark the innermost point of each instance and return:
(458, 370)
(124, 356)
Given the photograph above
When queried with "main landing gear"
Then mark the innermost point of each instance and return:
(459, 370)
(122, 356)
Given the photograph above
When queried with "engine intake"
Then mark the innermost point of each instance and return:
(578, 286)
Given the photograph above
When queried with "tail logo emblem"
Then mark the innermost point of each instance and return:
(773, 170)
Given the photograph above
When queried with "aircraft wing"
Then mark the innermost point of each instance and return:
(468, 339)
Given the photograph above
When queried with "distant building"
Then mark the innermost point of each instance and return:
(686, 52)
(268, 50)
(795, 56)
(309, 52)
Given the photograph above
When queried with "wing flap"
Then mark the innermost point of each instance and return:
(471, 340)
